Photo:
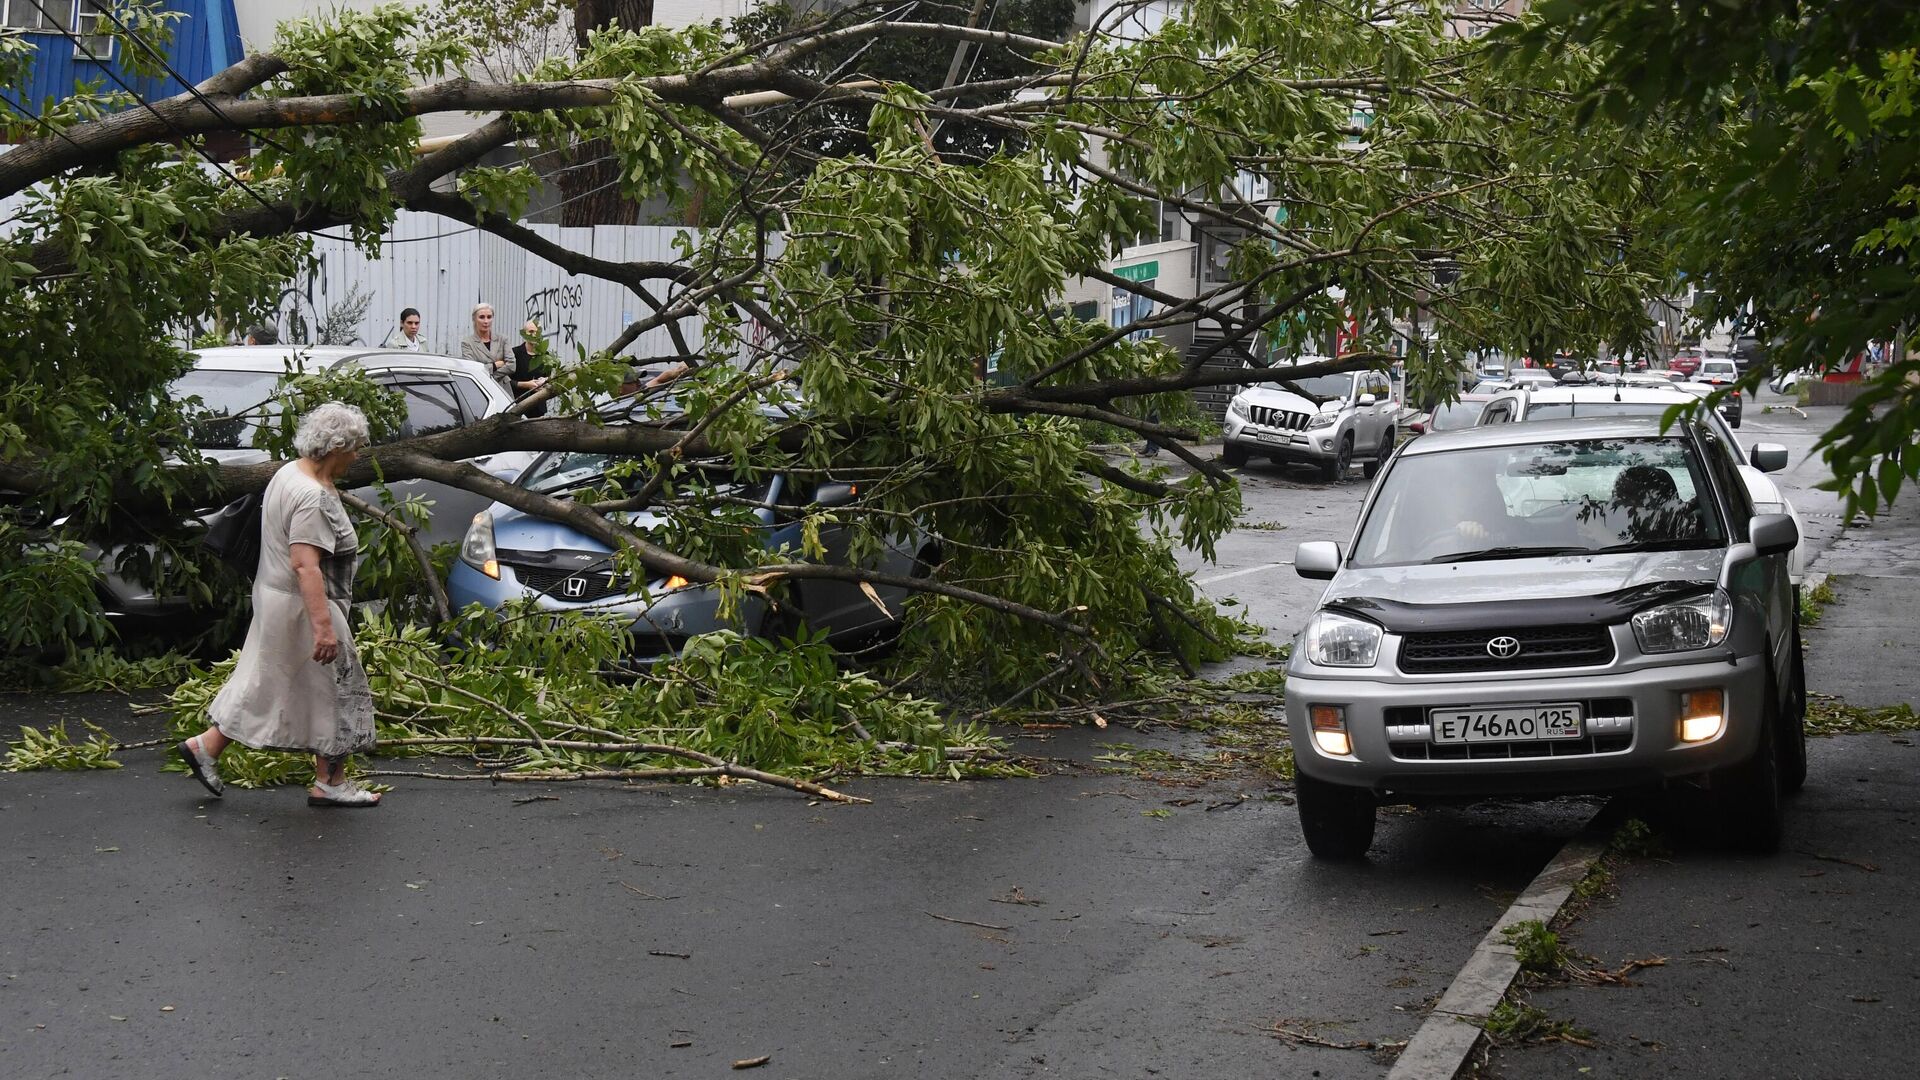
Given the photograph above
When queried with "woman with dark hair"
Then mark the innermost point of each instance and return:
(408, 336)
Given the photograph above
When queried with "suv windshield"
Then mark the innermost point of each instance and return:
(1579, 497)
(236, 405)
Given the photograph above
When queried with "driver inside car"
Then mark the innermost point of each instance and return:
(1478, 511)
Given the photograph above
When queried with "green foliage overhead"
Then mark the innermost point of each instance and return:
(1345, 168)
(1799, 205)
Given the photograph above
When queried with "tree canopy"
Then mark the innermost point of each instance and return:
(1799, 204)
(1362, 158)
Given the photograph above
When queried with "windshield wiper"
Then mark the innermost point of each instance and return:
(1653, 545)
(1507, 553)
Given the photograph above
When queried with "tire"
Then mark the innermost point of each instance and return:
(1337, 821)
(1735, 422)
(780, 622)
(1342, 460)
(1793, 729)
(1372, 468)
(1747, 800)
(1233, 454)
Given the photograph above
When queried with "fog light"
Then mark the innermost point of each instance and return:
(1702, 715)
(1330, 730)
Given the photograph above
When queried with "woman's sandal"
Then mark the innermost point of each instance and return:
(345, 793)
(204, 767)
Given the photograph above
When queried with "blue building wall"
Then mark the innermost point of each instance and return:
(205, 41)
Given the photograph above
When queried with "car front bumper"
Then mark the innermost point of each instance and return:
(1631, 738)
(659, 623)
(1312, 444)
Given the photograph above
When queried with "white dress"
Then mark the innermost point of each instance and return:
(278, 697)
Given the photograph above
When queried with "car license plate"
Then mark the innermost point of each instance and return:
(1272, 436)
(1506, 723)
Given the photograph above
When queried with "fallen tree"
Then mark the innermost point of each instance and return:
(1338, 163)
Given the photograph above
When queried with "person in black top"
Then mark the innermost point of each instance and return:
(529, 366)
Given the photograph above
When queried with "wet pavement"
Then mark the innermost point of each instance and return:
(1084, 924)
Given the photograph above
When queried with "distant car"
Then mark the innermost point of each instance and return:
(1490, 370)
(235, 387)
(1572, 607)
(1537, 376)
(1324, 420)
(1564, 402)
(1718, 373)
(1487, 387)
(511, 555)
(1686, 361)
(1787, 382)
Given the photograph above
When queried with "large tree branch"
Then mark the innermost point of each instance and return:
(216, 106)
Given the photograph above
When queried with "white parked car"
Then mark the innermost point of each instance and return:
(235, 386)
(1572, 402)
(1325, 420)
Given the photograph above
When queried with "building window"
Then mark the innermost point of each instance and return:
(51, 16)
(91, 28)
(1130, 307)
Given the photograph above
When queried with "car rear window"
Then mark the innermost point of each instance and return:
(1574, 497)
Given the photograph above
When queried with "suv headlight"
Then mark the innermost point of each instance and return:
(1693, 624)
(1335, 640)
(1322, 419)
(1238, 407)
(477, 549)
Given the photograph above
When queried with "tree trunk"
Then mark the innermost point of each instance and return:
(588, 181)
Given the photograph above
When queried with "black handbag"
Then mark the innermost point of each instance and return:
(233, 534)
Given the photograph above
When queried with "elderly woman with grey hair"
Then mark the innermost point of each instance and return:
(298, 684)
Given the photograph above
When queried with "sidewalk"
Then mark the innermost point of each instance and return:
(1806, 963)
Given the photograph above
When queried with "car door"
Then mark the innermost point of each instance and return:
(1384, 406)
(843, 608)
(433, 403)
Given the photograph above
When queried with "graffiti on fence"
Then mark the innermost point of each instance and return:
(557, 310)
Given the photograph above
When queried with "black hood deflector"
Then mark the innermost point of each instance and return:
(1605, 609)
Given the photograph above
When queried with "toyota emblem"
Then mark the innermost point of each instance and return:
(576, 587)
(1504, 647)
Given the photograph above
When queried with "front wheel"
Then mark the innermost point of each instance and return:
(1372, 468)
(1233, 454)
(1336, 820)
(1747, 800)
(1342, 460)
(1793, 732)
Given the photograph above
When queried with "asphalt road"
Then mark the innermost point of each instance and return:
(671, 931)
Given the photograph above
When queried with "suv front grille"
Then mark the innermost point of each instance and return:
(1539, 647)
(1277, 418)
(1609, 731)
(592, 584)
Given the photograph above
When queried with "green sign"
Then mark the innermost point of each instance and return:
(1145, 271)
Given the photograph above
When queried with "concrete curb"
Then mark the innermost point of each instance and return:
(1444, 1041)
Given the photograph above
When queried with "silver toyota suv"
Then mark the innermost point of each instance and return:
(1324, 420)
(1564, 607)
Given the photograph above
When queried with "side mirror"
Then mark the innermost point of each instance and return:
(1367, 399)
(1773, 534)
(1319, 559)
(1768, 457)
(834, 493)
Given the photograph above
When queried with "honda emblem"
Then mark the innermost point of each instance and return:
(576, 587)
(1503, 647)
